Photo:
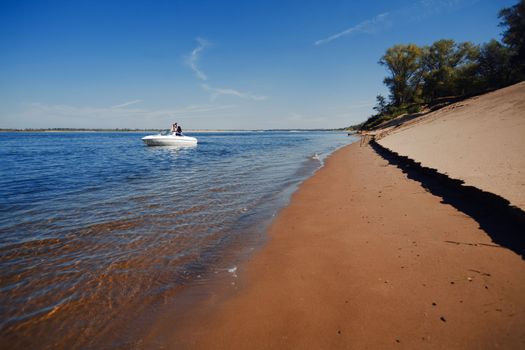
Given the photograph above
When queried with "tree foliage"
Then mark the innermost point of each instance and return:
(443, 63)
(494, 65)
(447, 71)
(404, 65)
(513, 20)
(381, 106)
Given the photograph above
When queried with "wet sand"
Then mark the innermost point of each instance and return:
(365, 257)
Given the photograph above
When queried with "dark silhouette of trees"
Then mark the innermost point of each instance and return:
(494, 65)
(513, 20)
(381, 106)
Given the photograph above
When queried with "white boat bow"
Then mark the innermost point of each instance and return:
(169, 140)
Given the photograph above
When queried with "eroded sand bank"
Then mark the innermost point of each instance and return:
(480, 141)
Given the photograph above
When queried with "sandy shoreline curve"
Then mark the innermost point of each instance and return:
(365, 257)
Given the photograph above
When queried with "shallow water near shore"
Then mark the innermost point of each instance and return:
(96, 229)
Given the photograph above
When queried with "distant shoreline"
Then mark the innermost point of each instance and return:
(157, 130)
(74, 130)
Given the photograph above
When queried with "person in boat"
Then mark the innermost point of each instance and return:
(179, 131)
(173, 128)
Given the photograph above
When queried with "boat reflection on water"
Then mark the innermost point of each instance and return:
(165, 152)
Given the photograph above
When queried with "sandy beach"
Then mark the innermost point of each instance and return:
(340, 175)
(366, 257)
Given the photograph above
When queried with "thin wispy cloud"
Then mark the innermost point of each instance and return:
(194, 58)
(125, 104)
(367, 26)
(427, 8)
(216, 92)
(413, 13)
(122, 113)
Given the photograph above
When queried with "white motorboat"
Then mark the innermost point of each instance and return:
(169, 139)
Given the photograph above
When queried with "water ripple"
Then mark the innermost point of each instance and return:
(95, 226)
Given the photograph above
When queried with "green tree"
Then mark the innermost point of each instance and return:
(513, 20)
(381, 105)
(404, 64)
(443, 61)
(494, 65)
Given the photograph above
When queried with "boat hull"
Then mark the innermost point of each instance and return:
(169, 140)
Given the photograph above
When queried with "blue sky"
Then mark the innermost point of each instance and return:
(213, 64)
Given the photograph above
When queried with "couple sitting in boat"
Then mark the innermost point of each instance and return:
(176, 129)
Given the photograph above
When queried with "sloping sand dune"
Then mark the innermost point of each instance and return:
(480, 141)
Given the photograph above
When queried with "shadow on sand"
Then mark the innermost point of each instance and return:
(505, 224)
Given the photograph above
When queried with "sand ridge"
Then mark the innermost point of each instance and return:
(480, 141)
